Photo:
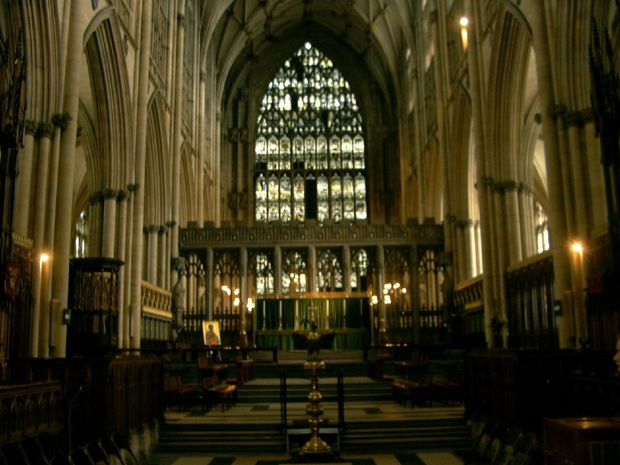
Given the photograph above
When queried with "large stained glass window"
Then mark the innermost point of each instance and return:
(309, 157)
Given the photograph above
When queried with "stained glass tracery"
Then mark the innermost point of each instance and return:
(309, 157)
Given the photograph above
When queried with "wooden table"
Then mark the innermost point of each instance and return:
(568, 440)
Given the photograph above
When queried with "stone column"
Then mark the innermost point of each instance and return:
(557, 214)
(574, 121)
(499, 296)
(24, 188)
(277, 268)
(209, 290)
(243, 295)
(513, 222)
(44, 133)
(128, 267)
(94, 224)
(135, 302)
(476, 89)
(177, 136)
(121, 245)
(470, 250)
(162, 253)
(152, 243)
(169, 225)
(414, 295)
(382, 338)
(64, 197)
(200, 173)
(461, 258)
(108, 245)
(312, 269)
(527, 226)
(60, 122)
(442, 124)
(346, 269)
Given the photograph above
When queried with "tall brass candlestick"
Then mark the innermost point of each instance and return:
(313, 367)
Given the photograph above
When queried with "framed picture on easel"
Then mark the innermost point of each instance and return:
(211, 333)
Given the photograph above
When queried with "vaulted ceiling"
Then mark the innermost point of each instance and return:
(379, 31)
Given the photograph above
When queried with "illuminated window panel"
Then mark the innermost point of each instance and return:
(361, 212)
(285, 153)
(348, 196)
(273, 153)
(260, 194)
(358, 152)
(309, 120)
(347, 152)
(336, 187)
(321, 149)
(261, 153)
(298, 152)
(309, 146)
(285, 199)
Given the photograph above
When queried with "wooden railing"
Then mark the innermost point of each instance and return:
(156, 313)
(520, 388)
(102, 395)
(529, 307)
(26, 410)
(529, 301)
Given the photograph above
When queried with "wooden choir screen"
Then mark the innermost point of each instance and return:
(530, 305)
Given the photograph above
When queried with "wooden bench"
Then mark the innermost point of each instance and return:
(245, 371)
(215, 393)
(418, 361)
(448, 381)
(178, 393)
(417, 390)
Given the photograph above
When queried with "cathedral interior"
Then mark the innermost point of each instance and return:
(202, 182)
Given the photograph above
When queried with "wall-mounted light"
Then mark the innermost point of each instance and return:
(44, 258)
(464, 22)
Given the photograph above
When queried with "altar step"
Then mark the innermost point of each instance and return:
(373, 421)
(362, 390)
(439, 433)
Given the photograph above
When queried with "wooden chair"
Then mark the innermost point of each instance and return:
(123, 445)
(97, 453)
(14, 454)
(419, 388)
(477, 451)
(79, 456)
(178, 393)
(521, 459)
(401, 392)
(48, 443)
(418, 361)
(110, 448)
(34, 452)
(505, 456)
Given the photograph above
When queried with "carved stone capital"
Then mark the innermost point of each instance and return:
(44, 130)
(30, 127)
(62, 120)
(94, 198)
(486, 181)
(133, 187)
(122, 195)
(108, 194)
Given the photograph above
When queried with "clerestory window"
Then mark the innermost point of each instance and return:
(310, 157)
